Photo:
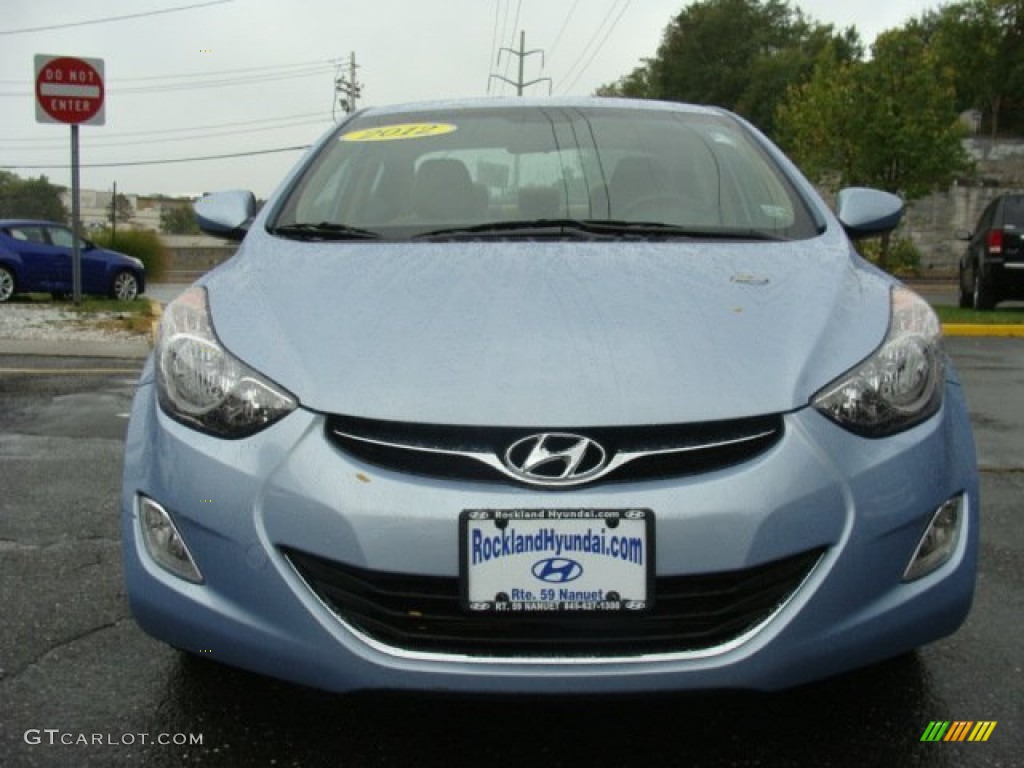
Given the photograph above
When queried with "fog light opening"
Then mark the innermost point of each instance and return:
(164, 542)
(939, 540)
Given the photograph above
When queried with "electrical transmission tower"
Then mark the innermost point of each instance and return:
(521, 54)
(348, 88)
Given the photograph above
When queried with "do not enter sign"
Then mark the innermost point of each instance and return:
(69, 90)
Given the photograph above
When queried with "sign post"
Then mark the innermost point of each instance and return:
(70, 90)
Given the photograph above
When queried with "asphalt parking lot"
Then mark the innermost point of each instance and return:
(81, 685)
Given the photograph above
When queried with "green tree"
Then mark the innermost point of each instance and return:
(889, 122)
(120, 209)
(635, 85)
(982, 43)
(31, 198)
(178, 220)
(738, 54)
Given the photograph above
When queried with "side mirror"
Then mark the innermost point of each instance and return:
(867, 212)
(226, 214)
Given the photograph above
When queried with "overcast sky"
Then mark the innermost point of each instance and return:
(235, 76)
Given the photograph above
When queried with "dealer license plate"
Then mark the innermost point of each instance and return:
(560, 560)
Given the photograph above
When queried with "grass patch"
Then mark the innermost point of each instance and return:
(92, 304)
(97, 312)
(1008, 316)
(113, 315)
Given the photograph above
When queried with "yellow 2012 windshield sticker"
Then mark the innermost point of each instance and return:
(400, 131)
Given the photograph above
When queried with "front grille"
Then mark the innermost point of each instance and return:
(476, 453)
(423, 613)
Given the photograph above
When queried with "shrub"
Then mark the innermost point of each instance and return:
(142, 244)
(904, 257)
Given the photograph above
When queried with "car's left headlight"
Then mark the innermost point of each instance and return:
(900, 384)
(202, 385)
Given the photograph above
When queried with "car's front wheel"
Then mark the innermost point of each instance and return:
(125, 286)
(7, 284)
(982, 291)
(966, 300)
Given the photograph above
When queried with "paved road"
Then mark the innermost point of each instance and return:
(75, 668)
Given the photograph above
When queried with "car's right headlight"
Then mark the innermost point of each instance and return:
(901, 383)
(202, 385)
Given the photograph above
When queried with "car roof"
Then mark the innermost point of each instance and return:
(590, 102)
(27, 222)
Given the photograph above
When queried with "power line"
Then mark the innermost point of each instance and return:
(96, 140)
(494, 41)
(163, 162)
(604, 39)
(599, 45)
(504, 28)
(565, 24)
(221, 83)
(161, 131)
(111, 18)
(200, 85)
(210, 73)
(218, 72)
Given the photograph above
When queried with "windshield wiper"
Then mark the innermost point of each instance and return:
(591, 228)
(680, 230)
(325, 230)
(519, 228)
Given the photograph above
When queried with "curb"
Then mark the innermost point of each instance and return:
(982, 330)
(120, 350)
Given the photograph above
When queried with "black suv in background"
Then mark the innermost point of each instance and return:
(992, 268)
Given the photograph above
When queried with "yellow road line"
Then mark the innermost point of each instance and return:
(980, 329)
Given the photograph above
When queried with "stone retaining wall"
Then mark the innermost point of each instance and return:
(932, 222)
(192, 256)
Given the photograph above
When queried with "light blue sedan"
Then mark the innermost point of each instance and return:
(549, 396)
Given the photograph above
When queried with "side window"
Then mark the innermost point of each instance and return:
(985, 222)
(28, 234)
(60, 237)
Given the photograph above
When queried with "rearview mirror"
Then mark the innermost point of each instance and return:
(226, 214)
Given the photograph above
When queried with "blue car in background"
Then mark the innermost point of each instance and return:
(35, 256)
(549, 396)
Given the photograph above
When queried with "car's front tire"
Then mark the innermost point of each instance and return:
(982, 296)
(966, 300)
(125, 287)
(7, 284)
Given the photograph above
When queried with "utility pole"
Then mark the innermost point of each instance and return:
(349, 89)
(113, 217)
(521, 54)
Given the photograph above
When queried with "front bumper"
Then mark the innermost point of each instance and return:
(240, 504)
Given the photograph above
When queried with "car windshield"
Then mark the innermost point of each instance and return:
(543, 172)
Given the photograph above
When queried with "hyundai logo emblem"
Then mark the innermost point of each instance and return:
(557, 570)
(555, 458)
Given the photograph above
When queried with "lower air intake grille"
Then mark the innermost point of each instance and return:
(423, 613)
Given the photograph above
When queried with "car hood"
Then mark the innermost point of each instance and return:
(562, 334)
